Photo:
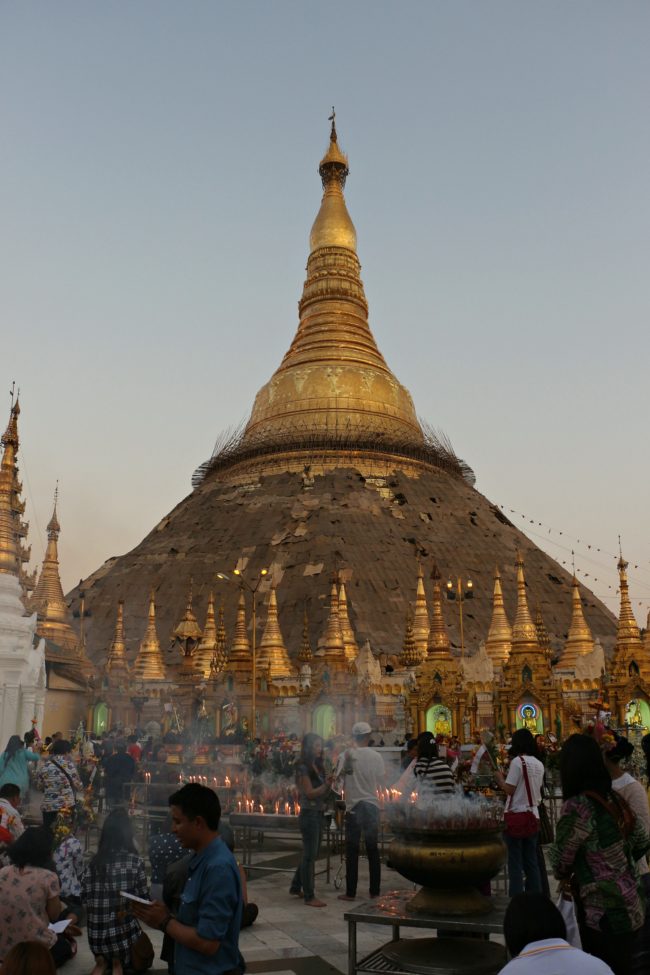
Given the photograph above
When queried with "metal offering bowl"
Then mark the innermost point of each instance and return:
(450, 864)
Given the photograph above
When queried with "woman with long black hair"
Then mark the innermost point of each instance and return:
(112, 929)
(523, 786)
(313, 787)
(14, 764)
(597, 843)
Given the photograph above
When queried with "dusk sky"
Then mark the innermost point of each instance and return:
(158, 181)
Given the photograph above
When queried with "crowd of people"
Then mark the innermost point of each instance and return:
(598, 858)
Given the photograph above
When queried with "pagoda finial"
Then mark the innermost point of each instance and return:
(628, 629)
(240, 648)
(304, 654)
(117, 667)
(524, 632)
(47, 599)
(332, 642)
(499, 638)
(12, 529)
(188, 629)
(272, 651)
(420, 621)
(149, 664)
(332, 119)
(410, 656)
(438, 644)
(579, 639)
(205, 651)
(349, 639)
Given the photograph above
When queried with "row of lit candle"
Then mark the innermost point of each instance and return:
(250, 806)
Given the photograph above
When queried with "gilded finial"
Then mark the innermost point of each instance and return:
(349, 639)
(579, 640)
(524, 632)
(332, 119)
(273, 653)
(499, 638)
(420, 621)
(438, 644)
(149, 664)
(410, 656)
(305, 654)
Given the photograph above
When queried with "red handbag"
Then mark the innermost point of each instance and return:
(520, 825)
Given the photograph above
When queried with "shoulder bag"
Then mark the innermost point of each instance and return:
(520, 825)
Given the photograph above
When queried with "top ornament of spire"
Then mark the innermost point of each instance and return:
(333, 225)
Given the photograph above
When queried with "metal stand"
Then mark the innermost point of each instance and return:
(446, 954)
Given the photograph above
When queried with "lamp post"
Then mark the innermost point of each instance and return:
(253, 591)
(461, 591)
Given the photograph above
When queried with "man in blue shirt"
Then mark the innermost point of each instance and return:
(206, 928)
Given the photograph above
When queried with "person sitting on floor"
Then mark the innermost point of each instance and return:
(68, 858)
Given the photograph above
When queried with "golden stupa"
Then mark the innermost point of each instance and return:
(333, 475)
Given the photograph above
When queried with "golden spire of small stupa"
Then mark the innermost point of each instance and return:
(304, 654)
(332, 643)
(410, 655)
(272, 653)
(579, 640)
(149, 664)
(207, 647)
(629, 647)
(117, 666)
(524, 631)
(349, 640)
(221, 652)
(47, 598)
(188, 629)
(438, 644)
(421, 616)
(240, 648)
(543, 637)
(646, 636)
(12, 529)
(499, 638)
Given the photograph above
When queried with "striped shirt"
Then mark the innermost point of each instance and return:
(433, 777)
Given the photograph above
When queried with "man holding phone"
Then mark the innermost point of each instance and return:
(206, 927)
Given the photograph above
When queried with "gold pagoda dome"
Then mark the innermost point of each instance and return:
(333, 384)
(524, 632)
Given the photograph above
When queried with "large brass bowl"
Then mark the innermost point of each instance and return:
(450, 865)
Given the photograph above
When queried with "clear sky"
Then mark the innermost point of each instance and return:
(157, 186)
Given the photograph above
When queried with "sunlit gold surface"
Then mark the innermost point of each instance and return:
(149, 664)
(272, 654)
(579, 640)
(333, 380)
(449, 865)
(47, 598)
(117, 667)
(240, 648)
(629, 647)
(410, 656)
(207, 647)
(438, 646)
(12, 529)
(499, 638)
(305, 654)
(524, 632)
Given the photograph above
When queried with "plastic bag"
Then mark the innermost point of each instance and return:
(567, 909)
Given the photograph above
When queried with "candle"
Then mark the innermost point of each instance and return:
(227, 783)
(261, 808)
(239, 806)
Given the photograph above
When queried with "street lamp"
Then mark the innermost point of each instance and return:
(253, 591)
(461, 592)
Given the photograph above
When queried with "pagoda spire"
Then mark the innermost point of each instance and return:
(240, 648)
(499, 638)
(543, 637)
(332, 643)
(149, 664)
(272, 654)
(333, 382)
(208, 644)
(305, 654)
(117, 667)
(221, 652)
(13, 555)
(629, 648)
(48, 599)
(438, 645)
(349, 640)
(524, 631)
(421, 616)
(410, 656)
(579, 640)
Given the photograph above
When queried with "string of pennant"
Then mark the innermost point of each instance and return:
(548, 538)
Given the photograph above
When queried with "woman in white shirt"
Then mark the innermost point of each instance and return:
(523, 865)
